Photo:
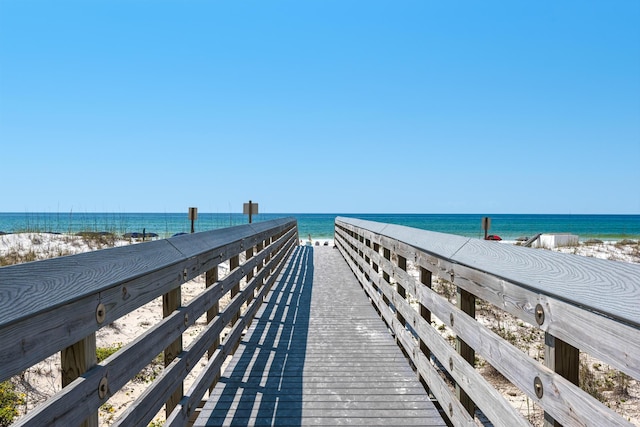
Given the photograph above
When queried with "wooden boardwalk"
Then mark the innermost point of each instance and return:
(318, 354)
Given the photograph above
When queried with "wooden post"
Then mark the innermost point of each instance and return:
(486, 224)
(466, 303)
(248, 256)
(268, 242)
(260, 265)
(234, 262)
(376, 268)
(425, 279)
(267, 256)
(367, 260)
(386, 253)
(193, 215)
(76, 360)
(170, 302)
(211, 277)
(250, 209)
(564, 359)
(402, 265)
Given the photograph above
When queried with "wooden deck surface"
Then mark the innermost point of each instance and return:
(318, 354)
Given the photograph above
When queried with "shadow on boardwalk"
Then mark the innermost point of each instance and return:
(321, 357)
(265, 380)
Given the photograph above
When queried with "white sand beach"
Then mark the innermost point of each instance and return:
(43, 380)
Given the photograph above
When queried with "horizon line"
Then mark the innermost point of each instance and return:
(306, 213)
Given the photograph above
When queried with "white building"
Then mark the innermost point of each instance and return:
(555, 240)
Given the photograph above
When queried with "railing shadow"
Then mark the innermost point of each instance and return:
(265, 383)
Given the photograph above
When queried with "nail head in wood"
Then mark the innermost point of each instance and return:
(537, 385)
(539, 314)
(101, 313)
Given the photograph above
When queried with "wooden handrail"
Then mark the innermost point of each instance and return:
(49, 306)
(582, 304)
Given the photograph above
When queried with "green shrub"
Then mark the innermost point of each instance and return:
(9, 402)
(104, 352)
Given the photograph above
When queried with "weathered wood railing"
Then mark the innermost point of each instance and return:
(582, 305)
(58, 305)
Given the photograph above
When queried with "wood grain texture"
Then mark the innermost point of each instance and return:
(54, 301)
(318, 354)
(489, 400)
(567, 403)
(185, 410)
(466, 302)
(455, 411)
(27, 289)
(601, 336)
(148, 405)
(171, 301)
(563, 359)
(607, 287)
(79, 399)
(75, 361)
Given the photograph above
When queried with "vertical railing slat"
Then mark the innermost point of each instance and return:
(171, 301)
(234, 262)
(564, 359)
(211, 277)
(75, 360)
(248, 256)
(425, 280)
(466, 302)
(402, 265)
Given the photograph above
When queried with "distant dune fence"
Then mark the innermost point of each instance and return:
(58, 305)
(581, 304)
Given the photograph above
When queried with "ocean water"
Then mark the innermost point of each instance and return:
(320, 226)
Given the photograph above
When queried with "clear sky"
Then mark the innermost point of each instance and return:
(320, 106)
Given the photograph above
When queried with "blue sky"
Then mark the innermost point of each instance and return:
(320, 106)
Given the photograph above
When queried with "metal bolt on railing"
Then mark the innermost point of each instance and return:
(101, 313)
(539, 314)
(103, 387)
(537, 385)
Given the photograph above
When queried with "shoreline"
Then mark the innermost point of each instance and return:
(322, 238)
(137, 236)
(321, 226)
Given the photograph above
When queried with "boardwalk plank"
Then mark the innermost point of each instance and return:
(318, 354)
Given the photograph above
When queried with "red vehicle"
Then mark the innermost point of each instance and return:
(493, 237)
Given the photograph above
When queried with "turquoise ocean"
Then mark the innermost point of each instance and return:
(320, 226)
